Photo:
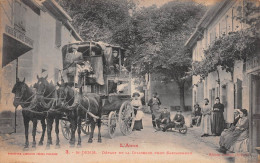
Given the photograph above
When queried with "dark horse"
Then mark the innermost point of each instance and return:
(46, 98)
(89, 108)
(24, 96)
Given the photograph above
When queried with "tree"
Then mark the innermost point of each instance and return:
(159, 37)
(239, 45)
(97, 20)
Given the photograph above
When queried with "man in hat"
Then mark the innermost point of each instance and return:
(164, 118)
(178, 121)
(70, 63)
(72, 60)
(154, 104)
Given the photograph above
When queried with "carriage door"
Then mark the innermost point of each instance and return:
(255, 112)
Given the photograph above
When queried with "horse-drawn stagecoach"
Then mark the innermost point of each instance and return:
(104, 84)
(110, 79)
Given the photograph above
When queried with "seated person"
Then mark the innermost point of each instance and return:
(196, 117)
(178, 121)
(235, 134)
(70, 63)
(164, 118)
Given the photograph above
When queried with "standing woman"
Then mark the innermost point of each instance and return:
(137, 104)
(206, 120)
(218, 122)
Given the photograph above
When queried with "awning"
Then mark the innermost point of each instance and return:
(15, 44)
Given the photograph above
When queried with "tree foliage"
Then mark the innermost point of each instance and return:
(97, 20)
(240, 45)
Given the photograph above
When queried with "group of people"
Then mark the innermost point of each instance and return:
(212, 123)
(158, 117)
(212, 119)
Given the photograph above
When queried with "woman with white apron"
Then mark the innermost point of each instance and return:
(137, 105)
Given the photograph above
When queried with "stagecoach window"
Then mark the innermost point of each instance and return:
(118, 87)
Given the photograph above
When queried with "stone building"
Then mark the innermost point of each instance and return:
(32, 35)
(243, 90)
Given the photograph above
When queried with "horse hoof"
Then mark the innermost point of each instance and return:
(40, 143)
(26, 147)
(99, 141)
(47, 147)
(72, 145)
(90, 140)
(34, 146)
(57, 146)
(79, 146)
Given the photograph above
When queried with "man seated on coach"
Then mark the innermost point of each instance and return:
(177, 122)
(164, 118)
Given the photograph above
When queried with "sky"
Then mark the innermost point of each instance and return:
(147, 3)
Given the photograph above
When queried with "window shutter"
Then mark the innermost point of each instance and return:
(58, 33)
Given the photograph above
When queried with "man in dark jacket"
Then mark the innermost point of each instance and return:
(196, 117)
(164, 118)
(154, 104)
(178, 121)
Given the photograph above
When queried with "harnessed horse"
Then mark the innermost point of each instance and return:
(89, 104)
(25, 97)
(46, 98)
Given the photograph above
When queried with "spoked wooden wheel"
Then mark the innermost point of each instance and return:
(66, 129)
(126, 118)
(112, 124)
(85, 128)
(183, 130)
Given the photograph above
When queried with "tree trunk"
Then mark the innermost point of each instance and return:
(182, 96)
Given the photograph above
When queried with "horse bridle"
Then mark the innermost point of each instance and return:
(20, 102)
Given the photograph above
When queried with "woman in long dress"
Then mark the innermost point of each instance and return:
(206, 120)
(236, 133)
(137, 104)
(218, 122)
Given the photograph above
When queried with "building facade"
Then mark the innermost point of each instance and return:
(241, 91)
(32, 35)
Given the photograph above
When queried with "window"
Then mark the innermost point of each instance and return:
(212, 96)
(19, 16)
(223, 26)
(56, 75)
(212, 35)
(58, 33)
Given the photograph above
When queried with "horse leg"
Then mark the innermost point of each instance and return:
(34, 132)
(43, 132)
(99, 128)
(57, 132)
(26, 121)
(73, 129)
(92, 122)
(79, 130)
(49, 129)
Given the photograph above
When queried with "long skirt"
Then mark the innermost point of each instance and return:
(138, 125)
(206, 124)
(228, 139)
(218, 123)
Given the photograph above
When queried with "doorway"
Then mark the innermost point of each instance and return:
(255, 111)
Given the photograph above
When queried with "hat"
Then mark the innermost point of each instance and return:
(155, 93)
(179, 110)
(244, 111)
(74, 46)
(206, 99)
(165, 108)
(136, 94)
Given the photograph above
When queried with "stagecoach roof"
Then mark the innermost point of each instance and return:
(99, 44)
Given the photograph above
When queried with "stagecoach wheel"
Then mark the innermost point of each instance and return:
(112, 124)
(126, 118)
(85, 128)
(66, 129)
(183, 130)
